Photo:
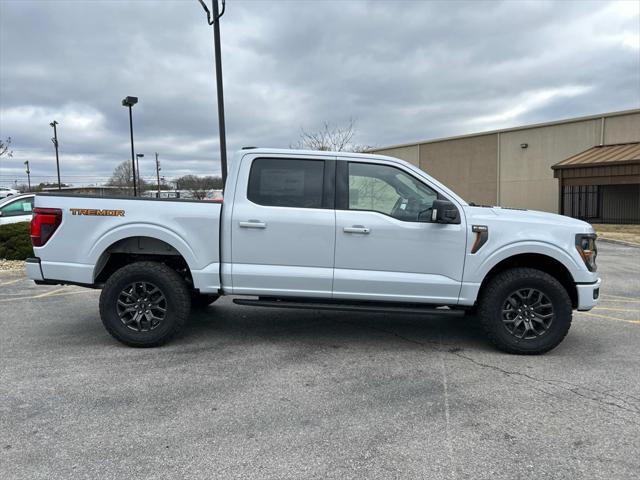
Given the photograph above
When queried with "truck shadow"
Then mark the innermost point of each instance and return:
(227, 322)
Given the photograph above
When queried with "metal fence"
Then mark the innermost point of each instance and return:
(602, 203)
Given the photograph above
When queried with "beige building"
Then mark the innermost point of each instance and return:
(512, 167)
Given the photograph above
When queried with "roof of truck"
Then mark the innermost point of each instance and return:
(319, 153)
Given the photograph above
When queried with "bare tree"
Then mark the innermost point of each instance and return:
(122, 177)
(4, 148)
(330, 137)
(197, 186)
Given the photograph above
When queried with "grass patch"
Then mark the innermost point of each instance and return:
(626, 233)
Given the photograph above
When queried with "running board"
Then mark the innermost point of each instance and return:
(378, 307)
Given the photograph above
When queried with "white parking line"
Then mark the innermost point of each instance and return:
(618, 309)
(60, 292)
(607, 317)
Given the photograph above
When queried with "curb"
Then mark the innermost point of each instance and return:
(7, 266)
(619, 242)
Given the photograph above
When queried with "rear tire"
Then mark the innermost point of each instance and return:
(144, 304)
(525, 311)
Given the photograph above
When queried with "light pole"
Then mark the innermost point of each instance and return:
(138, 156)
(130, 102)
(26, 162)
(158, 173)
(55, 144)
(215, 21)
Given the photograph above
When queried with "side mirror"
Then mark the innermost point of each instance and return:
(444, 211)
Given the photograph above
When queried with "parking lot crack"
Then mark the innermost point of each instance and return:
(574, 389)
(565, 386)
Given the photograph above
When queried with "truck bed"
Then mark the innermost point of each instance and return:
(93, 228)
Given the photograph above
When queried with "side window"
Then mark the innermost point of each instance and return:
(19, 207)
(286, 183)
(389, 190)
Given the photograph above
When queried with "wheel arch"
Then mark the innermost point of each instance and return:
(538, 261)
(121, 250)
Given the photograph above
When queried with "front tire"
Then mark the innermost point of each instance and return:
(525, 311)
(144, 304)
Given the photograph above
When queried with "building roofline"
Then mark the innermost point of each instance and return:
(584, 159)
(510, 129)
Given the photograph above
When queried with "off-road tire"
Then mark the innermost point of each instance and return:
(497, 292)
(203, 300)
(170, 284)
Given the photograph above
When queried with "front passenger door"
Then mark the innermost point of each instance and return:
(386, 247)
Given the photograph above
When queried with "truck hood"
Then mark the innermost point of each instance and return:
(531, 218)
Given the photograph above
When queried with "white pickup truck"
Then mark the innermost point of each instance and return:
(321, 230)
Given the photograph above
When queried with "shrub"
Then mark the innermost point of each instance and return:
(15, 242)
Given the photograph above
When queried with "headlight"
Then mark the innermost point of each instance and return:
(586, 246)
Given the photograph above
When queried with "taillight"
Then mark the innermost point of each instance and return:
(43, 224)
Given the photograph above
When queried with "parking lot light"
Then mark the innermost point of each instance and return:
(130, 102)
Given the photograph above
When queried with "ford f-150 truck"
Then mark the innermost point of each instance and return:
(321, 230)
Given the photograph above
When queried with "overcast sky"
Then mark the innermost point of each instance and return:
(404, 70)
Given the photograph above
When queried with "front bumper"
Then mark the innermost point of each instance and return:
(588, 295)
(34, 271)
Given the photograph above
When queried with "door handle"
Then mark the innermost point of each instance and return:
(356, 229)
(253, 224)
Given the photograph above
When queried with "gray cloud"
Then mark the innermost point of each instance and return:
(405, 70)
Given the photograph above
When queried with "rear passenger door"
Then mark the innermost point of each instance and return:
(283, 227)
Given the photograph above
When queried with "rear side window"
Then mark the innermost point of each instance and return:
(286, 183)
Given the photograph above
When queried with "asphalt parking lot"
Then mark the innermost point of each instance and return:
(263, 393)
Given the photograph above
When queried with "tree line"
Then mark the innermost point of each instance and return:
(197, 186)
(329, 137)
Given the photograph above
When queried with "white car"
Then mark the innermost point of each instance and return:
(320, 230)
(7, 192)
(16, 208)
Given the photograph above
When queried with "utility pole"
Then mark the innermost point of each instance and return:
(215, 21)
(158, 173)
(28, 174)
(55, 144)
(138, 156)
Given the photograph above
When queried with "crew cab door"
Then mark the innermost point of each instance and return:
(387, 249)
(283, 227)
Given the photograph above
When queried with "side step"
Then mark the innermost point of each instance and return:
(378, 307)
